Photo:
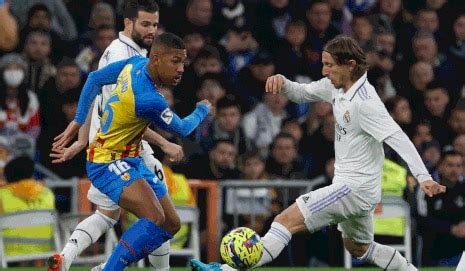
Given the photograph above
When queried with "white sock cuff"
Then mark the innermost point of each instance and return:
(111, 222)
(280, 232)
(163, 250)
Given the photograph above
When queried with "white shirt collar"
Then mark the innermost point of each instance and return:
(129, 42)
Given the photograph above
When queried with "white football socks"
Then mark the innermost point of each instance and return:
(387, 258)
(461, 266)
(86, 233)
(274, 242)
(160, 258)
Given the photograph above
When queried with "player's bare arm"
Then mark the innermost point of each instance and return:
(174, 151)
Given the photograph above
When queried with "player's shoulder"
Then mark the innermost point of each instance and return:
(365, 94)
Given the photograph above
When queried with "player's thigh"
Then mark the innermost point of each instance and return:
(122, 177)
(358, 229)
(139, 199)
(325, 206)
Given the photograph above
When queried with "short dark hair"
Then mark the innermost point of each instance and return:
(282, 135)
(343, 49)
(67, 62)
(435, 84)
(38, 7)
(169, 40)
(226, 102)
(132, 8)
(19, 168)
(447, 153)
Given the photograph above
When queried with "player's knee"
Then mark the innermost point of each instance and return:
(355, 249)
(157, 217)
(173, 224)
(113, 214)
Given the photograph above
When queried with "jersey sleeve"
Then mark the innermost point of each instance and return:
(155, 108)
(94, 82)
(376, 121)
(321, 90)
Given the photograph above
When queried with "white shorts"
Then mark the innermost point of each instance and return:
(103, 201)
(338, 203)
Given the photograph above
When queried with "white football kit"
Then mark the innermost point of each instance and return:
(121, 48)
(362, 124)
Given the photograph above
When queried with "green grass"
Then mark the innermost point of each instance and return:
(263, 269)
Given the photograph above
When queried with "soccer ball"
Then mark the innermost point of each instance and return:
(241, 248)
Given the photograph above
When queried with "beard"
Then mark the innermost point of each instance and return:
(139, 39)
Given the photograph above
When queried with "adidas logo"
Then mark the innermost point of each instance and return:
(73, 241)
(305, 198)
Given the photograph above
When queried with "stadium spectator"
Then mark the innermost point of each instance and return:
(438, 112)
(233, 14)
(289, 54)
(363, 31)
(394, 11)
(104, 35)
(443, 220)
(400, 111)
(457, 119)
(292, 127)
(271, 21)
(319, 31)
(101, 14)
(422, 134)
(457, 47)
(19, 106)
(62, 21)
(430, 153)
(40, 19)
(319, 110)
(459, 144)
(251, 79)
(37, 54)
(225, 125)
(283, 161)
(263, 123)
(240, 46)
(23, 193)
(316, 148)
(194, 41)
(420, 75)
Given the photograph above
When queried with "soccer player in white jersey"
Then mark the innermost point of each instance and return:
(140, 25)
(362, 125)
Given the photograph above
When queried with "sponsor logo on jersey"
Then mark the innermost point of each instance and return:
(167, 116)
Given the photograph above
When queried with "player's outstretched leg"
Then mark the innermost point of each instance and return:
(278, 236)
(86, 233)
(383, 256)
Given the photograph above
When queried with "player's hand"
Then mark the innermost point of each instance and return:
(174, 151)
(432, 188)
(205, 102)
(63, 139)
(274, 84)
(65, 154)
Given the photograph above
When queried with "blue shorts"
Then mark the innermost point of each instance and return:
(112, 178)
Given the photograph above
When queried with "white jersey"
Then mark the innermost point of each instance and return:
(361, 124)
(121, 48)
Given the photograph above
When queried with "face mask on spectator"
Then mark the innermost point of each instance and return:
(13, 78)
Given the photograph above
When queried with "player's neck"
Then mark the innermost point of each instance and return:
(127, 32)
(348, 85)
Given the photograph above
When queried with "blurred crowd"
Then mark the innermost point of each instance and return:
(416, 53)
